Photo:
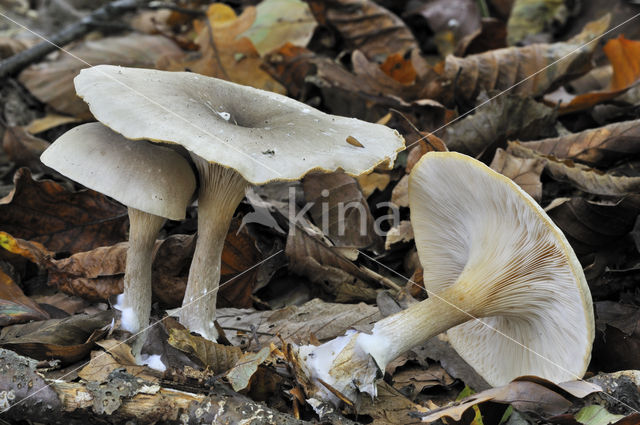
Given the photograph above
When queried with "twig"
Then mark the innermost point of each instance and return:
(106, 13)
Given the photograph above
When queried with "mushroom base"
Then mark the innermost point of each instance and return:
(351, 363)
(221, 190)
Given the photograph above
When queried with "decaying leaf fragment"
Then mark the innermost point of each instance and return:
(68, 339)
(524, 171)
(527, 393)
(45, 212)
(52, 82)
(15, 306)
(501, 69)
(600, 146)
(217, 357)
(366, 26)
(585, 178)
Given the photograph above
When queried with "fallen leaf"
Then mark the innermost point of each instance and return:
(400, 192)
(217, 357)
(584, 178)
(371, 182)
(45, 212)
(33, 251)
(450, 20)
(508, 117)
(600, 146)
(390, 407)
(340, 209)
(23, 148)
(52, 82)
(241, 373)
(617, 337)
(366, 26)
(15, 306)
(526, 394)
(501, 69)
(524, 171)
(279, 22)
(403, 232)
(295, 323)
(224, 52)
(624, 56)
(412, 380)
(427, 143)
(117, 355)
(49, 121)
(594, 226)
(535, 20)
(68, 339)
(596, 415)
(290, 65)
(399, 68)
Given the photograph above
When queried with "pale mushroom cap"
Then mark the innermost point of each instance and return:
(477, 227)
(141, 175)
(262, 135)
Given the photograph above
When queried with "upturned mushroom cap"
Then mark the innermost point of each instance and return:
(262, 135)
(477, 228)
(144, 176)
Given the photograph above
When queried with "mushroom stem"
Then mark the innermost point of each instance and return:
(344, 362)
(136, 298)
(406, 329)
(221, 190)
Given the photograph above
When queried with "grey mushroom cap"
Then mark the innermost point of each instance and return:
(264, 136)
(513, 266)
(141, 175)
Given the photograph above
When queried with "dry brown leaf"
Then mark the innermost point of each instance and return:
(594, 226)
(524, 171)
(279, 22)
(501, 69)
(412, 380)
(390, 407)
(117, 355)
(450, 20)
(400, 192)
(403, 232)
(242, 372)
(399, 68)
(618, 336)
(224, 52)
(295, 323)
(49, 121)
(68, 339)
(526, 394)
(52, 82)
(312, 257)
(366, 26)
(600, 146)
(45, 212)
(427, 143)
(15, 306)
(584, 178)
(23, 148)
(371, 182)
(624, 56)
(340, 209)
(217, 357)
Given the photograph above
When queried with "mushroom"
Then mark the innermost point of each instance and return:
(237, 136)
(154, 182)
(501, 277)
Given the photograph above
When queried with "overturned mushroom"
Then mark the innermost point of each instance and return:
(154, 182)
(237, 136)
(498, 272)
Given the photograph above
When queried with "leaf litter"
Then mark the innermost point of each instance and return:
(569, 142)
